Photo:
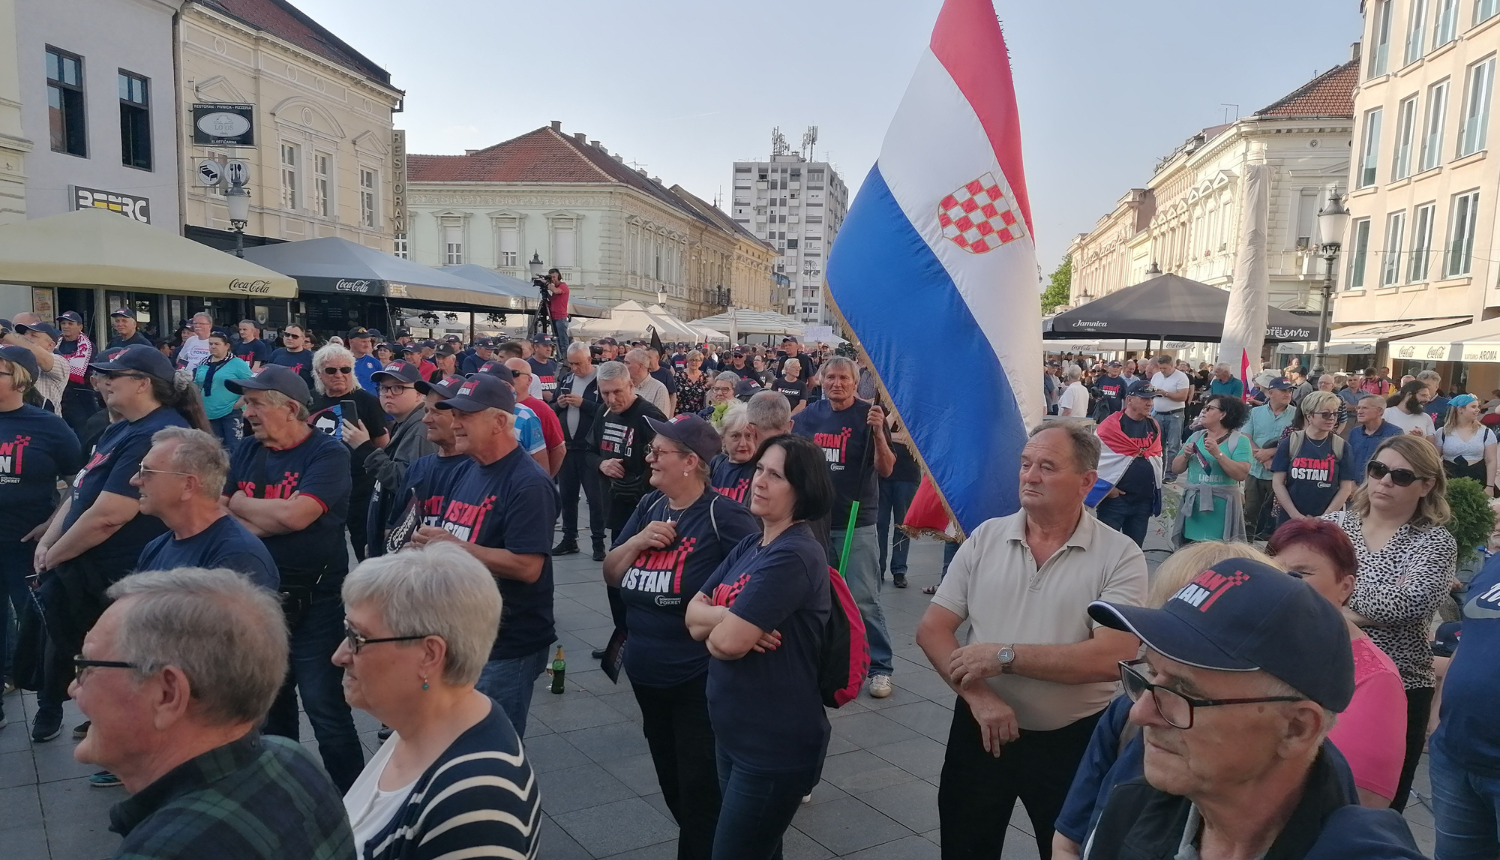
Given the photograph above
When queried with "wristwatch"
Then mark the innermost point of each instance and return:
(1007, 657)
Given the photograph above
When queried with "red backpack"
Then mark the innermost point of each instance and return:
(845, 659)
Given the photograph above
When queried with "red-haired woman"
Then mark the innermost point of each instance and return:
(1371, 732)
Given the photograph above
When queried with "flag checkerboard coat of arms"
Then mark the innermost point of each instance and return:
(979, 216)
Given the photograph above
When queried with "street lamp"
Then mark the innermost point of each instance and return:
(238, 201)
(661, 297)
(536, 264)
(1332, 222)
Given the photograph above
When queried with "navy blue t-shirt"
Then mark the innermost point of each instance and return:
(225, 543)
(666, 377)
(546, 375)
(794, 391)
(660, 582)
(1312, 479)
(732, 479)
(1109, 392)
(1139, 477)
(36, 448)
(510, 504)
(1467, 728)
(114, 462)
(136, 339)
(431, 478)
(766, 708)
(317, 467)
(845, 439)
(471, 363)
(251, 351)
(300, 361)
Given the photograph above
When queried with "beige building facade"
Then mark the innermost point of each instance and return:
(729, 265)
(322, 163)
(13, 142)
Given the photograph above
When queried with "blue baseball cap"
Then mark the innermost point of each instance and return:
(22, 356)
(481, 391)
(444, 388)
(1280, 383)
(138, 358)
(1243, 616)
(273, 377)
(399, 371)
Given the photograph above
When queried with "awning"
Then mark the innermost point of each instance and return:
(95, 248)
(739, 321)
(339, 266)
(631, 319)
(1364, 339)
(1476, 342)
(1168, 306)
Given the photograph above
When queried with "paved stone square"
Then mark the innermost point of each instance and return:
(878, 798)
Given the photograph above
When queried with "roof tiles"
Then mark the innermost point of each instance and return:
(1330, 94)
(285, 21)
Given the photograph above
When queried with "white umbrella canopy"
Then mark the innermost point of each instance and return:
(670, 327)
(95, 248)
(631, 319)
(739, 321)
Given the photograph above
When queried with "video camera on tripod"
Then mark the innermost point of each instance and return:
(543, 320)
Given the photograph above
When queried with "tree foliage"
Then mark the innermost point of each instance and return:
(1058, 290)
(1473, 518)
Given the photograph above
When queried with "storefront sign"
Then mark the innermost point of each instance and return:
(348, 285)
(253, 287)
(223, 125)
(43, 303)
(138, 208)
(1280, 333)
(397, 291)
(398, 182)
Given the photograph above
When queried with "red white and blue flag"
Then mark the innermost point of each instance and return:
(938, 246)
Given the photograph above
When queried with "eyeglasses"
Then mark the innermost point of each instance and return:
(396, 389)
(1400, 477)
(332, 370)
(81, 665)
(1215, 407)
(357, 642)
(1173, 706)
(654, 451)
(1325, 415)
(143, 472)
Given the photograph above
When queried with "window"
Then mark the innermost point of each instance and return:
(1307, 217)
(1472, 131)
(291, 156)
(1445, 23)
(1381, 38)
(1395, 236)
(65, 103)
(1485, 9)
(322, 183)
(453, 244)
(1432, 125)
(1361, 243)
(565, 245)
(1416, 30)
(403, 250)
(510, 243)
(1406, 122)
(1370, 153)
(369, 208)
(1461, 234)
(135, 121)
(1421, 244)
(791, 244)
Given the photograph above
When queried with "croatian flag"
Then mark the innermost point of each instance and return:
(937, 249)
(1117, 451)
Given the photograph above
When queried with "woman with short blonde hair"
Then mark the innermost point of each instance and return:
(1312, 471)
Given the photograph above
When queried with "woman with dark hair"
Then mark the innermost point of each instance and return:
(98, 532)
(1405, 564)
(1216, 461)
(1371, 732)
(1405, 408)
(762, 615)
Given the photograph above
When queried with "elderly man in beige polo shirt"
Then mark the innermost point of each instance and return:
(1036, 670)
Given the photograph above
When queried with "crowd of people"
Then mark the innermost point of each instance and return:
(373, 524)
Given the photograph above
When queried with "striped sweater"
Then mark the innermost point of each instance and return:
(480, 799)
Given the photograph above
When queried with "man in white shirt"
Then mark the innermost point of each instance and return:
(1074, 400)
(1172, 390)
(195, 349)
(647, 386)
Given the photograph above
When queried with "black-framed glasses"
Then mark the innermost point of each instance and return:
(1214, 406)
(1173, 706)
(1400, 477)
(653, 450)
(82, 664)
(396, 389)
(332, 370)
(357, 642)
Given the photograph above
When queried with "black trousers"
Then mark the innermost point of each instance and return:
(574, 475)
(1418, 706)
(616, 602)
(978, 790)
(675, 722)
(79, 403)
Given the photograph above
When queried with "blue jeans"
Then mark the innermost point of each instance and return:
(1465, 808)
(863, 578)
(228, 429)
(757, 809)
(950, 549)
(560, 334)
(1171, 435)
(321, 684)
(15, 594)
(510, 682)
(895, 498)
(1128, 514)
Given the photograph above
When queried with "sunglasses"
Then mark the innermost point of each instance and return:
(332, 370)
(1400, 477)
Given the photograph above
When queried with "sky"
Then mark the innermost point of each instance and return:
(1104, 87)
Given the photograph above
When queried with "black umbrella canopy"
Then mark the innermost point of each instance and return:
(335, 265)
(1169, 306)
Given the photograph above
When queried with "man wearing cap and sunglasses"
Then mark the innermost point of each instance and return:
(501, 511)
(290, 486)
(1235, 712)
(403, 402)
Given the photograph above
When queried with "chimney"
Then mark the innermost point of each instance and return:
(580, 137)
(557, 125)
(619, 158)
(656, 179)
(1354, 52)
(470, 151)
(641, 171)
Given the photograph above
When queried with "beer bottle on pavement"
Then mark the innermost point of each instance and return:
(559, 669)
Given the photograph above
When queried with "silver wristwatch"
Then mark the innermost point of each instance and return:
(1007, 657)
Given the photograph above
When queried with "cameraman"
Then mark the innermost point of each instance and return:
(559, 307)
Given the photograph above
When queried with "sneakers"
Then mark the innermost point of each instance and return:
(880, 686)
(81, 730)
(598, 550)
(104, 779)
(899, 580)
(47, 725)
(566, 546)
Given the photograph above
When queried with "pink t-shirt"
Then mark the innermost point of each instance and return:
(1371, 732)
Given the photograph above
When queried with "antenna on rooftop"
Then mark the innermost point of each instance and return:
(809, 141)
